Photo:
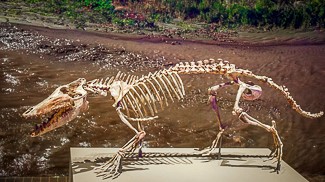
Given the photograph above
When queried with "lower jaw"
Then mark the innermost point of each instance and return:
(56, 120)
(46, 129)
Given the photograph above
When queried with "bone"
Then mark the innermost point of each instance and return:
(201, 69)
(141, 79)
(128, 79)
(118, 75)
(193, 70)
(131, 80)
(124, 105)
(171, 85)
(176, 84)
(166, 87)
(277, 140)
(134, 80)
(100, 83)
(207, 69)
(136, 104)
(221, 63)
(147, 100)
(143, 119)
(125, 121)
(122, 77)
(131, 104)
(161, 89)
(93, 81)
(140, 100)
(110, 81)
(156, 94)
(151, 97)
(106, 81)
(206, 61)
(180, 81)
(282, 90)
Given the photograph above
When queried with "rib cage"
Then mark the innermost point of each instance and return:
(151, 93)
(147, 95)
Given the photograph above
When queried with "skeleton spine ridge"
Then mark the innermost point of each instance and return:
(224, 68)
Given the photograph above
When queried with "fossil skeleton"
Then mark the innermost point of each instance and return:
(138, 99)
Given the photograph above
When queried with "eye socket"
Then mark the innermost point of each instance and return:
(248, 91)
(64, 90)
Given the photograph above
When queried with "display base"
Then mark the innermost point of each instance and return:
(183, 164)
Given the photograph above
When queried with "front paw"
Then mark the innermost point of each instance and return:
(111, 169)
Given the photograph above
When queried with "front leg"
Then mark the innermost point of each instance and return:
(214, 104)
(218, 139)
(113, 167)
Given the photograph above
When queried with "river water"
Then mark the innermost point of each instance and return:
(27, 79)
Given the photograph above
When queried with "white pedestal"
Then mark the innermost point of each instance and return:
(182, 164)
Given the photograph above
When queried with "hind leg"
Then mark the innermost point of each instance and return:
(277, 153)
(243, 116)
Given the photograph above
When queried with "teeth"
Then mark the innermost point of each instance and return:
(50, 118)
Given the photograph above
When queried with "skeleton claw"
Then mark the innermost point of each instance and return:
(273, 154)
(207, 151)
(111, 169)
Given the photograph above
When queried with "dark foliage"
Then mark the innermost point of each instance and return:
(228, 13)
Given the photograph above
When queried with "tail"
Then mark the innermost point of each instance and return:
(283, 90)
(224, 68)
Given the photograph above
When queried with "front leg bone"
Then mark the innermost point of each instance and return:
(214, 104)
(113, 167)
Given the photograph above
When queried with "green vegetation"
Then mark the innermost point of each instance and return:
(225, 13)
(233, 13)
(79, 12)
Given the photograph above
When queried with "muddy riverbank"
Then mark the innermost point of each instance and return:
(35, 60)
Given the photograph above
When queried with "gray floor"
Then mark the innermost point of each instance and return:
(183, 164)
